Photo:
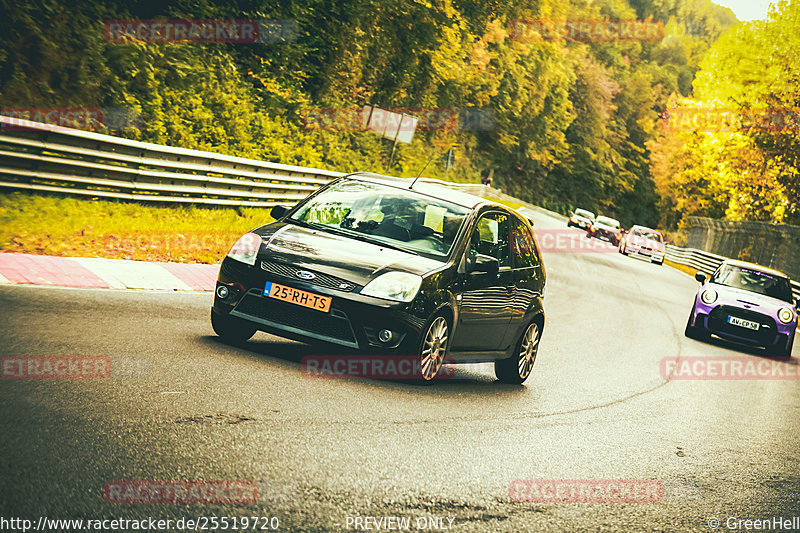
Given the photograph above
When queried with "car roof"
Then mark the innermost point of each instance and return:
(754, 266)
(608, 217)
(428, 187)
(645, 228)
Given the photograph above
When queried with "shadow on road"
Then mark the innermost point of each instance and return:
(748, 349)
(290, 354)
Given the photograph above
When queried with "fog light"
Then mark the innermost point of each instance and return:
(384, 335)
(222, 291)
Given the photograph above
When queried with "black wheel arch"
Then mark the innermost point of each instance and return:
(534, 313)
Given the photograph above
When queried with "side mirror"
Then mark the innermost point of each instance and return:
(278, 212)
(485, 264)
(700, 277)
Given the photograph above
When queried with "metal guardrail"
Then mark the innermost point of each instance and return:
(705, 262)
(48, 158)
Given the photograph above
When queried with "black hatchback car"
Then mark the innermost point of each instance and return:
(391, 266)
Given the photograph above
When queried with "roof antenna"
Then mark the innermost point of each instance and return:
(421, 171)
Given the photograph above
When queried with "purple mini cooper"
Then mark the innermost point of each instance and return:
(746, 303)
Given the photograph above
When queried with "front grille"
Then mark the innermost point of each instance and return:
(332, 325)
(320, 279)
(718, 322)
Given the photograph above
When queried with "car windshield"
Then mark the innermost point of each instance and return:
(649, 235)
(754, 281)
(400, 218)
(608, 222)
(585, 214)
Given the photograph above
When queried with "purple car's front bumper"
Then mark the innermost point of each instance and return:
(772, 333)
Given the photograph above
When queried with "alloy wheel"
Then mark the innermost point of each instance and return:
(527, 350)
(434, 348)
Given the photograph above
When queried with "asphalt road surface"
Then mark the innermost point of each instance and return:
(181, 405)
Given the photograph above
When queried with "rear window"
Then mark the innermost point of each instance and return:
(523, 246)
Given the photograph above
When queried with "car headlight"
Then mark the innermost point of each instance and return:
(398, 286)
(786, 315)
(246, 248)
(709, 296)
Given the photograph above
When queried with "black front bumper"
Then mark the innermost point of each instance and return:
(334, 326)
(352, 322)
(767, 335)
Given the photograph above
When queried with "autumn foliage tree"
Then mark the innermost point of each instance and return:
(572, 123)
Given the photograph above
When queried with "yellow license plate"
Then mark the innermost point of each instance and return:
(298, 297)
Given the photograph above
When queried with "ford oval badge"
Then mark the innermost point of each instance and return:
(303, 274)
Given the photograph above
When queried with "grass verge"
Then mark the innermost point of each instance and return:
(78, 227)
(683, 268)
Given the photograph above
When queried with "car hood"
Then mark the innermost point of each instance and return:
(643, 241)
(337, 255)
(740, 298)
(606, 228)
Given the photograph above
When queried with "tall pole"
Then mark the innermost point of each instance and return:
(396, 135)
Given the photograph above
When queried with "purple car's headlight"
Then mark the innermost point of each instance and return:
(786, 315)
(709, 296)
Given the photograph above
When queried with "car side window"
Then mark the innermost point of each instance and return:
(490, 237)
(523, 246)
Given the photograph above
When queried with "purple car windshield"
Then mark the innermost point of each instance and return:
(754, 281)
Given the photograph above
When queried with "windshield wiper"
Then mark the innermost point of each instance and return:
(346, 233)
(365, 238)
(303, 223)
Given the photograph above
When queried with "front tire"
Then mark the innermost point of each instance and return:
(517, 368)
(433, 347)
(231, 329)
